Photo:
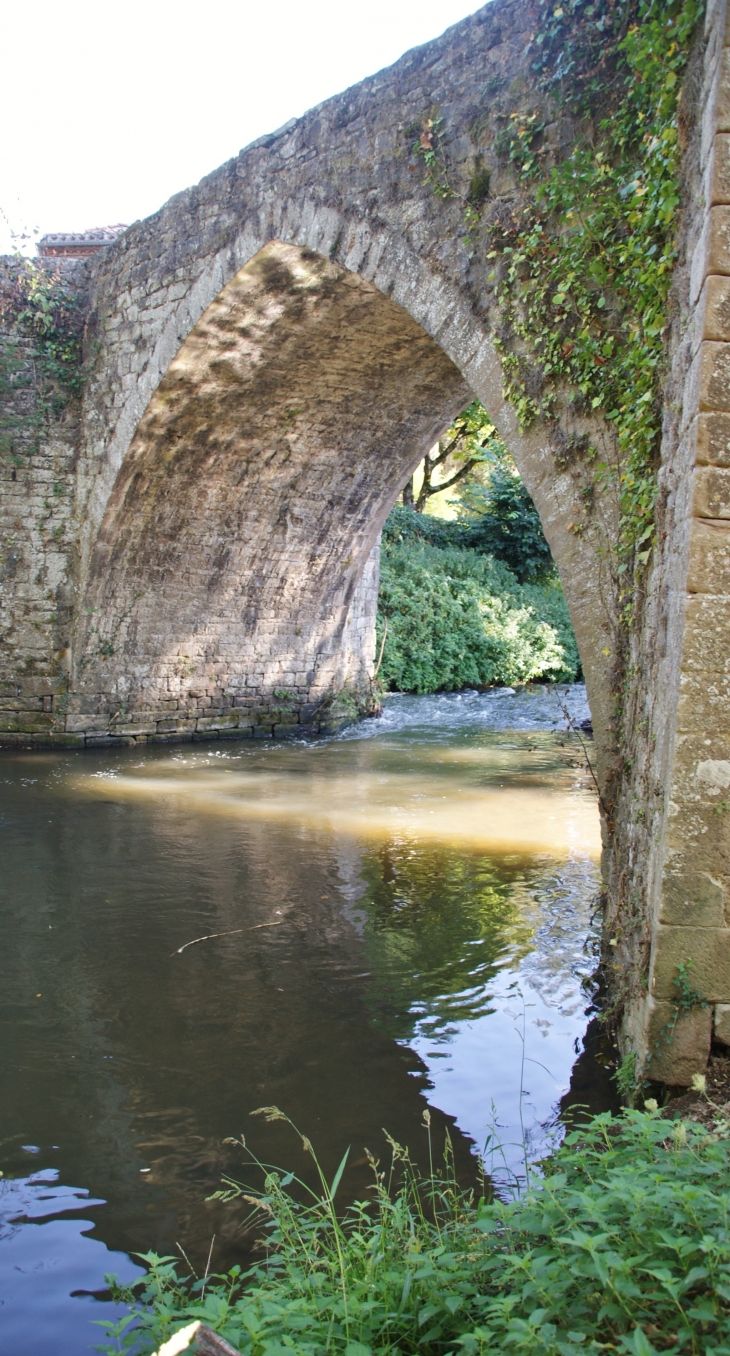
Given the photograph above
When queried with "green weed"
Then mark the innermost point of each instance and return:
(622, 1246)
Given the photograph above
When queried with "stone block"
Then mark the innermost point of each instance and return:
(697, 840)
(709, 562)
(680, 1046)
(146, 716)
(705, 646)
(715, 305)
(694, 900)
(704, 702)
(722, 1023)
(103, 740)
(711, 492)
(82, 703)
(717, 242)
(134, 728)
(720, 170)
(708, 950)
(712, 446)
(59, 739)
(714, 375)
(35, 721)
(8, 720)
(701, 767)
(41, 687)
(87, 724)
(228, 721)
(309, 711)
(10, 739)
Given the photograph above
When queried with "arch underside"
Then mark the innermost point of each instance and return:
(238, 551)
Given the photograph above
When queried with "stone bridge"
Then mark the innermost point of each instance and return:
(193, 552)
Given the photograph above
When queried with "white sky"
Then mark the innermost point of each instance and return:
(107, 109)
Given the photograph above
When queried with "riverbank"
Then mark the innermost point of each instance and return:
(621, 1245)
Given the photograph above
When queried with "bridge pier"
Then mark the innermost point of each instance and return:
(681, 721)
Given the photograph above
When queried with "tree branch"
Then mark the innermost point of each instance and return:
(426, 492)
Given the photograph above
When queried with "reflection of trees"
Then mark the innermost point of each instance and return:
(137, 1056)
(440, 923)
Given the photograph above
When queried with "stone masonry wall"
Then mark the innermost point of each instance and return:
(668, 924)
(38, 454)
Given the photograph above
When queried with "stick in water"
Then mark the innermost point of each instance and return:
(209, 936)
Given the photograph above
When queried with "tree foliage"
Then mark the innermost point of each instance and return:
(469, 441)
(501, 520)
(457, 618)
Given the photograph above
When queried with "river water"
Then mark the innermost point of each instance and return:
(394, 918)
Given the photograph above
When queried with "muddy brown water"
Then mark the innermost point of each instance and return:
(404, 919)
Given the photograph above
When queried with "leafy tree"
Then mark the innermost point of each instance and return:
(457, 618)
(497, 514)
(503, 522)
(467, 443)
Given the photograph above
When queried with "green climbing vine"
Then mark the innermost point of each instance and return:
(582, 266)
(40, 352)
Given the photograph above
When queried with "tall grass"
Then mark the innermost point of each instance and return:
(623, 1245)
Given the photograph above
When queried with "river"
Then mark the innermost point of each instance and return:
(397, 917)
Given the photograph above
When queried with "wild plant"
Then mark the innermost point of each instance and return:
(622, 1245)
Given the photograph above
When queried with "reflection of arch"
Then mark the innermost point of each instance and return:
(231, 520)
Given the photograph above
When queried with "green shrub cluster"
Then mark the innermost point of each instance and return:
(457, 618)
(622, 1246)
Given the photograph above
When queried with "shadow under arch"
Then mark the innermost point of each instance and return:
(235, 552)
(236, 549)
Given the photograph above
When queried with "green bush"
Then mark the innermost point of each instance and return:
(458, 619)
(623, 1246)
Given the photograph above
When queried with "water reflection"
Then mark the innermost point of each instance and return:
(46, 1260)
(414, 869)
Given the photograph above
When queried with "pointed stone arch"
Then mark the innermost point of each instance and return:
(396, 303)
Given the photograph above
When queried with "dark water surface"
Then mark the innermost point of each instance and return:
(406, 910)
